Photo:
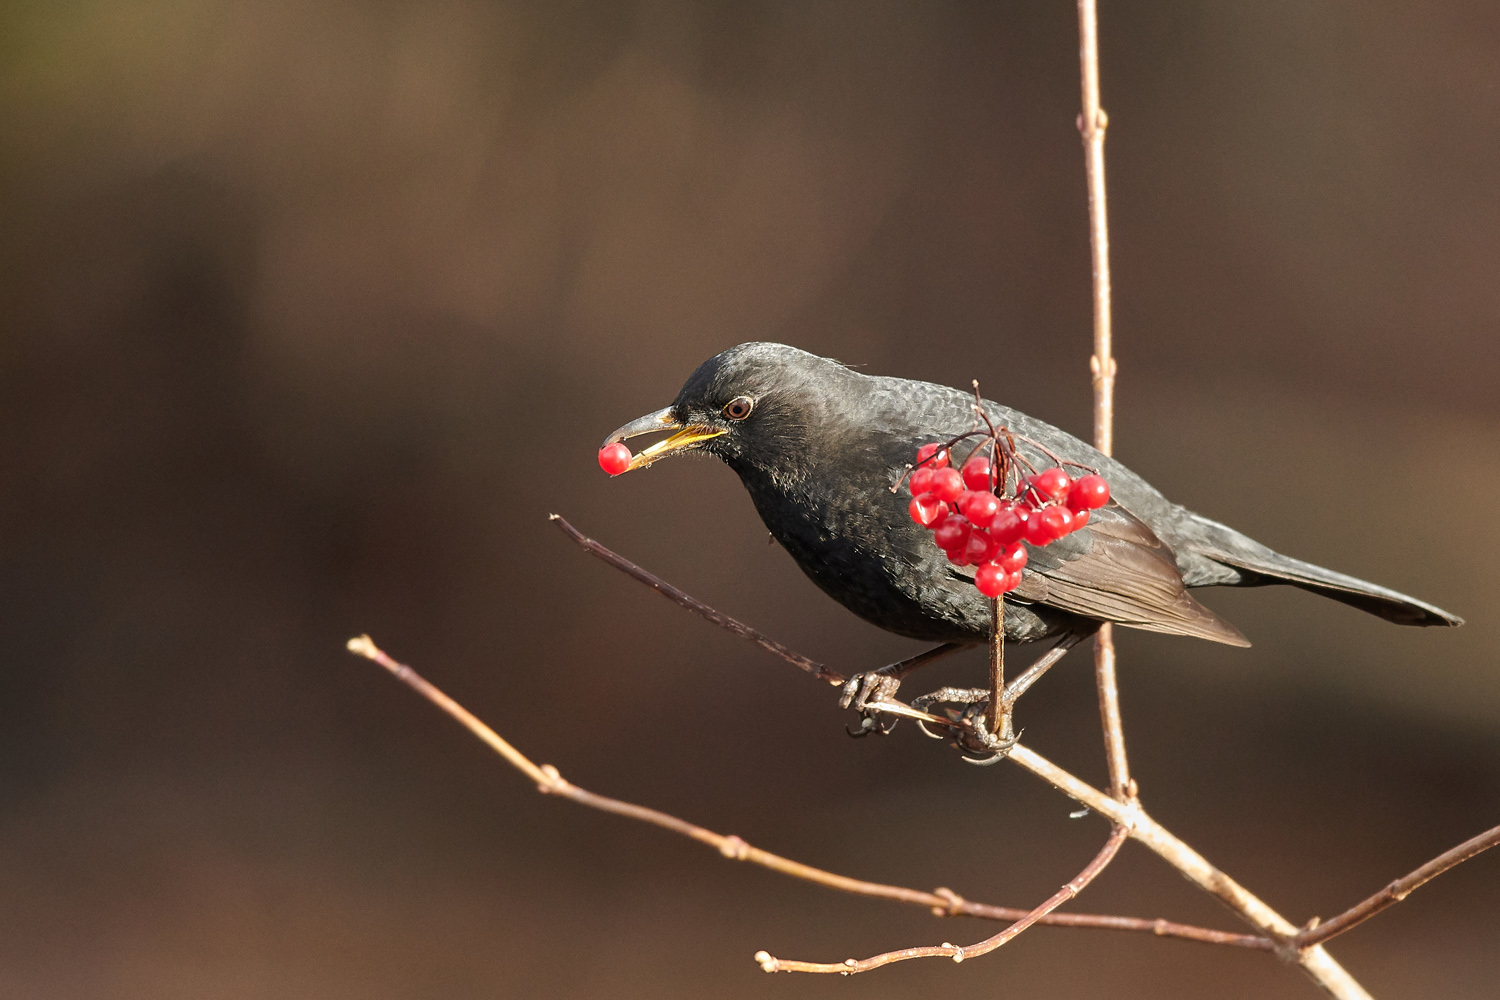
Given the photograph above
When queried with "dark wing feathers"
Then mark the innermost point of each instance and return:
(1117, 570)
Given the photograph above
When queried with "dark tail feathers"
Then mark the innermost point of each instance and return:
(1262, 565)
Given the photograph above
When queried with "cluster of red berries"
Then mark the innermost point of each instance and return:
(977, 528)
(614, 458)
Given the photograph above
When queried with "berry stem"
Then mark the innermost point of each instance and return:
(994, 715)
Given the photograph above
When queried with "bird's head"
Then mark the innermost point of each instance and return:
(752, 406)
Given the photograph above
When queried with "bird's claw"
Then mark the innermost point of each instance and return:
(860, 691)
(968, 708)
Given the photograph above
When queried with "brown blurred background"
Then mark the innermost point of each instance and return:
(313, 311)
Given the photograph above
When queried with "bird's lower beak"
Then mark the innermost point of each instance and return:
(687, 436)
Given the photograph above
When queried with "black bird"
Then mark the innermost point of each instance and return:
(819, 446)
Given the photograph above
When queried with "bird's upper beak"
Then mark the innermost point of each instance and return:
(687, 436)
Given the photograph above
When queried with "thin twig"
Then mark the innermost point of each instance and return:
(1397, 890)
(720, 619)
(1315, 961)
(942, 902)
(960, 952)
(1091, 124)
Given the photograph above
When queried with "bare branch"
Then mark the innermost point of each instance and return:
(1293, 943)
(1315, 961)
(959, 952)
(1092, 123)
(720, 619)
(1397, 890)
(942, 902)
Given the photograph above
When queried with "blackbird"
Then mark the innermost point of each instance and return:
(819, 447)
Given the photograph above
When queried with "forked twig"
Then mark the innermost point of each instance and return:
(960, 952)
(942, 901)
(1302, 945)
(1398, 890)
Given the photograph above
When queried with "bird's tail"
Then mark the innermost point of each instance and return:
(1260, 565)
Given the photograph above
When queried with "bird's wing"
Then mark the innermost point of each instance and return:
(1117, 570)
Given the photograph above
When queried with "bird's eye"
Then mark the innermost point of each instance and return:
(739, 407)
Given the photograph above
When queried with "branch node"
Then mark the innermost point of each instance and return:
(555, 781)
(958, 951)
(1101, 122)
(766, 962)
(954, 900)
(734, 848)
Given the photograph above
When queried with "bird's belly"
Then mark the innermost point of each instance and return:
(867, 561)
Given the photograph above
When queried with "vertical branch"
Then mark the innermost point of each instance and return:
(1091, 124)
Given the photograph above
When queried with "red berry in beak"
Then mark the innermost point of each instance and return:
(614, 458)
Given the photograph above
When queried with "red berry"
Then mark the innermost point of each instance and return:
(977, 473)
(921, 480)
(1037, 531)
(991, 580)
(982, 508)
(1059, 520)
(614, 458)
(1013, 580)
(1054, 483)
(1080, 518)
(1007, 526)
(926, 509)
(1029, 494)
(928, 451)
(1013, 558)
(952, 534)
(978, 548)
(947, 484)
(1090, 493)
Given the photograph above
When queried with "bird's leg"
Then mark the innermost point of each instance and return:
(975, 736)
(881, 685)
(1033, 673)
(970, 731)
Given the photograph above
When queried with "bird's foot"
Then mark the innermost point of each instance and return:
(970, 733)
(861, 690)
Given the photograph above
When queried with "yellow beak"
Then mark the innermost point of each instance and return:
(687, 436)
